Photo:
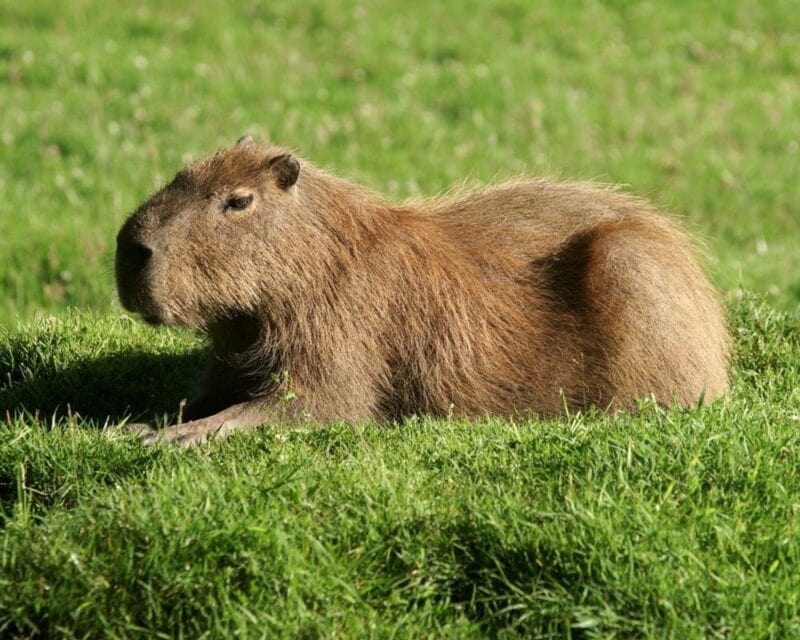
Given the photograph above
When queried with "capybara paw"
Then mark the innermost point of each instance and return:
(188, 434)
(180, 436)
(129, 429)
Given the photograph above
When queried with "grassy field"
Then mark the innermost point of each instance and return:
(662, 524)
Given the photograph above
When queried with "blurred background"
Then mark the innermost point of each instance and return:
(694, 105)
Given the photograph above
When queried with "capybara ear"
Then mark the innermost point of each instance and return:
(285, 168)
(244, 141)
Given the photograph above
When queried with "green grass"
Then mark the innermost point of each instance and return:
(694, 105)
(668, 523)
(664, 523)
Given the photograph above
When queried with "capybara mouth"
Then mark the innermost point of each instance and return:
(133, 302)
(143, 306)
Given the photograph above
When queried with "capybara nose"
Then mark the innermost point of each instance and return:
(141, 251)
(136, 252)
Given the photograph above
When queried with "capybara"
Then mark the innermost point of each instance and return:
(324, 301)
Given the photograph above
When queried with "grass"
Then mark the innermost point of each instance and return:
(662, 524)
(693, 105)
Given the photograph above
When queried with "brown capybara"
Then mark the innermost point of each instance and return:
(323, 301)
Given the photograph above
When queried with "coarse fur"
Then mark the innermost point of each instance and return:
(533, 296)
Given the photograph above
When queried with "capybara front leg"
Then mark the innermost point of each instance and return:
(240, 417)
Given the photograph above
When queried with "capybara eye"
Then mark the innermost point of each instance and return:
(238, 203)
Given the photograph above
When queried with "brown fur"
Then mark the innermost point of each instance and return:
(530, 296)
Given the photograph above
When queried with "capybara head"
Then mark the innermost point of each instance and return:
(200, 249)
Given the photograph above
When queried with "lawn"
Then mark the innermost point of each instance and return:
(660, 524)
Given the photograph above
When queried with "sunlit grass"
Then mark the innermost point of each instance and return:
(692, 105)
(669, 522)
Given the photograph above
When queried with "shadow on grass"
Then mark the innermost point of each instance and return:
(510, 585)
(141, 386)
(135, 385)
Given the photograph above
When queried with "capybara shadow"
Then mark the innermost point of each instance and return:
(104, 390)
